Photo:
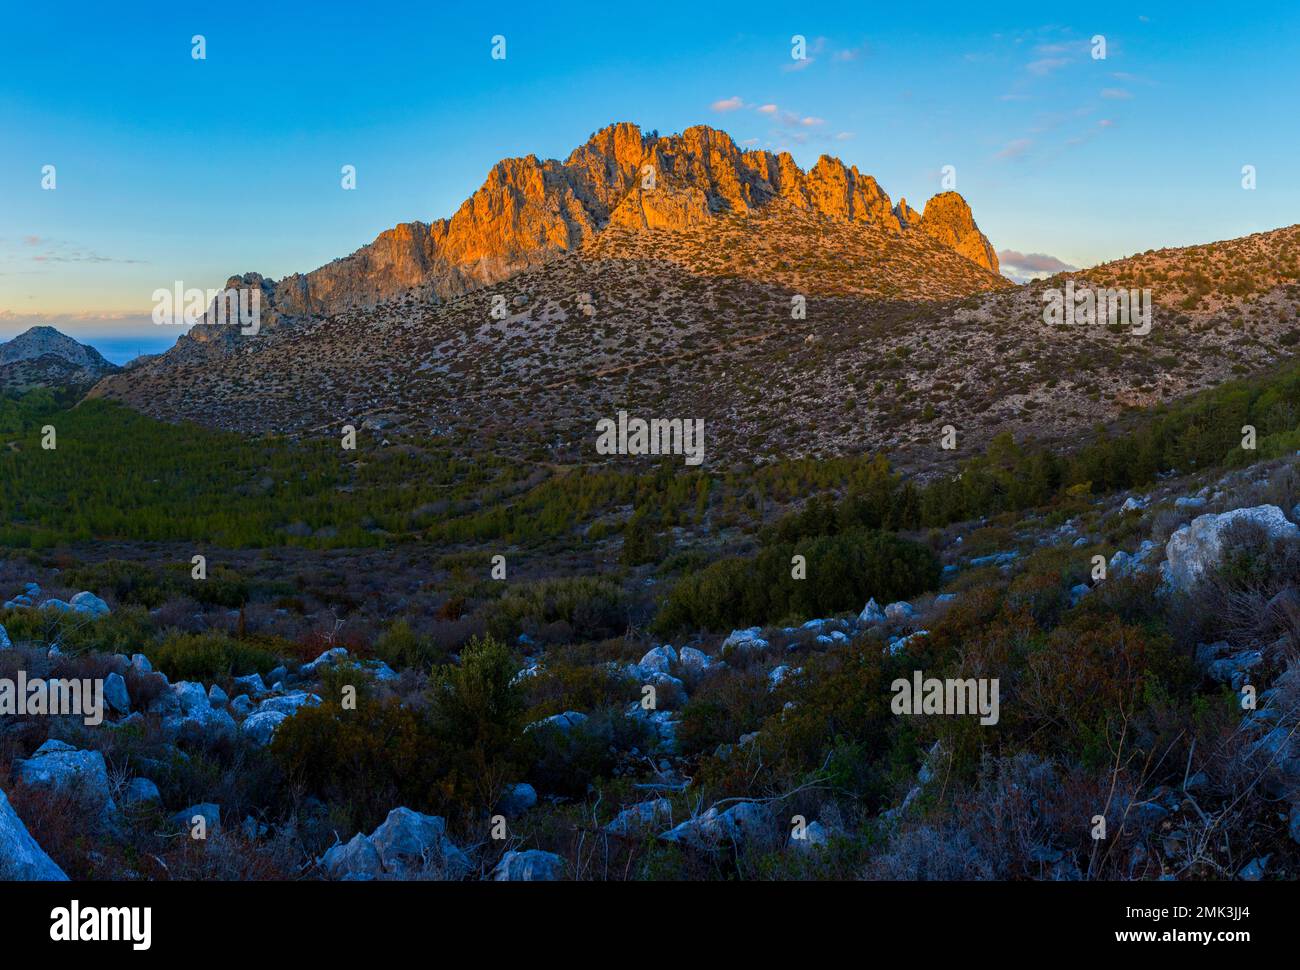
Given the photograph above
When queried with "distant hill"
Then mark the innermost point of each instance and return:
(45, 357)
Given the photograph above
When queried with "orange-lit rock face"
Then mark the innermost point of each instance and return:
(529, 210)
(948, 219)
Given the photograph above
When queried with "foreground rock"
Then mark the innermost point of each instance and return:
(21, 858)
(408, 845)
(1195, 549)
(58, 766)
(517, 799)
(743, 822)
(633, 820)
(531, 866)
(89, 604)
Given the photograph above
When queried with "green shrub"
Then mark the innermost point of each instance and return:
(477, 718)
(400, 646)
(364, 762)
(122, 631)
(582, 607)
(205, 656)
(843, 571)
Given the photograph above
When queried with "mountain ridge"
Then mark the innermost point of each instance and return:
(529, 210)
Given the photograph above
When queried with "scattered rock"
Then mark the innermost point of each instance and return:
(411, 844)
(210, 812)
(115, 693)
(899, 612)
(695, 661)
(780, 675)
(561, 722)
(1253, 871)
(356, 861)
(660, 659)
(871, 613)
(530, 866)
(289, 703)
(636, 818)
(814, 836)
(90, 604)
(748, 639)
(1197, 548)
(741, 822)
(517, 799)
(260, 727)
(327, 659)
(141, 791)
(59, 766)
(251, 683)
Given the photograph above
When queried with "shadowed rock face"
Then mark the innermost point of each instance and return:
(529, 210)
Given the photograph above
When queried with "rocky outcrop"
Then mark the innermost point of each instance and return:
(528, 210)
(948, 219)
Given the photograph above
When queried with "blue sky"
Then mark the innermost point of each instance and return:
(174, 169)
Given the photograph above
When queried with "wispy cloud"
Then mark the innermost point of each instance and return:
(1116, 94)
(1016, 148)
(1046, 65)
(41, 249)
(733, 103)
(1091, 133)
(849, 54)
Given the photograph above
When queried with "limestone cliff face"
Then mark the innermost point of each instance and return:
(948, 219)
(528, 210)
